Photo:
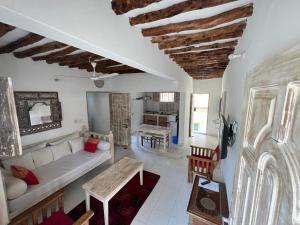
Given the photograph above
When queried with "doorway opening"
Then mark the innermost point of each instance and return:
(199, 114)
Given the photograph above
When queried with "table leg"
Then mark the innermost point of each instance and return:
(165, 143)
(138, 139)
(87, 201)
(170, 138)
(105, 208)
(141, 177)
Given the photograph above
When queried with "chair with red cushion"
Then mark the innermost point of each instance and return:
(38, 214)
(202, 162)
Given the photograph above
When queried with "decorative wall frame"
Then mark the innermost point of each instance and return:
(48, 104)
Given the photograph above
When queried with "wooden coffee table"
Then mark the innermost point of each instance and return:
(104, 186)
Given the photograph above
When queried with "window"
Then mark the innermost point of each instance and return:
(200, 113)
(167, 97)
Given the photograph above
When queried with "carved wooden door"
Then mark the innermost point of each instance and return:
(120, 118)
(267, 182)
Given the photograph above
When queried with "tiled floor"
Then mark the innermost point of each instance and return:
(167, 203)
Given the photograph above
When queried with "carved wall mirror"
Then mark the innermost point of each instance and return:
(38, 111)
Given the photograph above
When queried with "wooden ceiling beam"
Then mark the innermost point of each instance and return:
(204, 67)
(206, 23)
(200, 59)
(124, 6)
(24, 41)
(230, 31)
(74, 58)
(216, 73)
(115, 69)
(229, 44)
(56, 54)
(5, 28)
(40, 49)
(208, 63)
(176, 9)
(213, 53)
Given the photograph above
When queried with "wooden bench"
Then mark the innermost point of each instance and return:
(43, 210)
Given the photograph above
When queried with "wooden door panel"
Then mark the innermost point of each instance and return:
(260, 115)
(120, 118)
(269, 150)
(244, 193)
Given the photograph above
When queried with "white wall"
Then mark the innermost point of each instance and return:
(39, 76)
(273, 28)
(98, 112)
(213, 87)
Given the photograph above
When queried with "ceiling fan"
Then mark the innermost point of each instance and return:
(94, 77)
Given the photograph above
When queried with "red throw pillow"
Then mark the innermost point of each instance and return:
(90, 147)
(24, 174)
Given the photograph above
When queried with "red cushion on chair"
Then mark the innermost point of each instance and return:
(217, 150)
(58, 218)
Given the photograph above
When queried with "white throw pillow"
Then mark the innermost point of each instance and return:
(24, 161)
(15, 187)
(76, 144)
(42, 157)
(60, 150)
(103, 145)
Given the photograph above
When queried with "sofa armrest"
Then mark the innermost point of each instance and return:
(84, 219)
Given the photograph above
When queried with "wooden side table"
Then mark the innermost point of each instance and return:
(207, 207)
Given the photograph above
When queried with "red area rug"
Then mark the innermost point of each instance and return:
(124, 205)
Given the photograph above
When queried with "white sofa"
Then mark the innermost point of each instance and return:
(55, 167)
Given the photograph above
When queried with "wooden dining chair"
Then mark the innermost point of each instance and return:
(202, 162)
(50, 211)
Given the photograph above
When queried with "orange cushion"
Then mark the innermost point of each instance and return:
(24, 174)
(58, 218)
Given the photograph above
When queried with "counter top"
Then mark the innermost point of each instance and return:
(158, 114)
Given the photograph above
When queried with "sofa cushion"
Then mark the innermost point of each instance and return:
(60, 150)
(56, 175)
(24, 161)
(15, 187)
(42, 157)
(65, 139)
(103, 145)
(24, 174)
(76, 144)
(36, 147)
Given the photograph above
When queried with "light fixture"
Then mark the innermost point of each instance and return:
(237, 56)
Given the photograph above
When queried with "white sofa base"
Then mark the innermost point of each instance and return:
(60, 173)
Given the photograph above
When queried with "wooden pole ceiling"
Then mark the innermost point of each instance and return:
(60, 53)
(200, 46)
(5, 28)
(124, 6)
(205, 23)
(176, 9)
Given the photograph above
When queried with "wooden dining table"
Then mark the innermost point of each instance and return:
(147, 129)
